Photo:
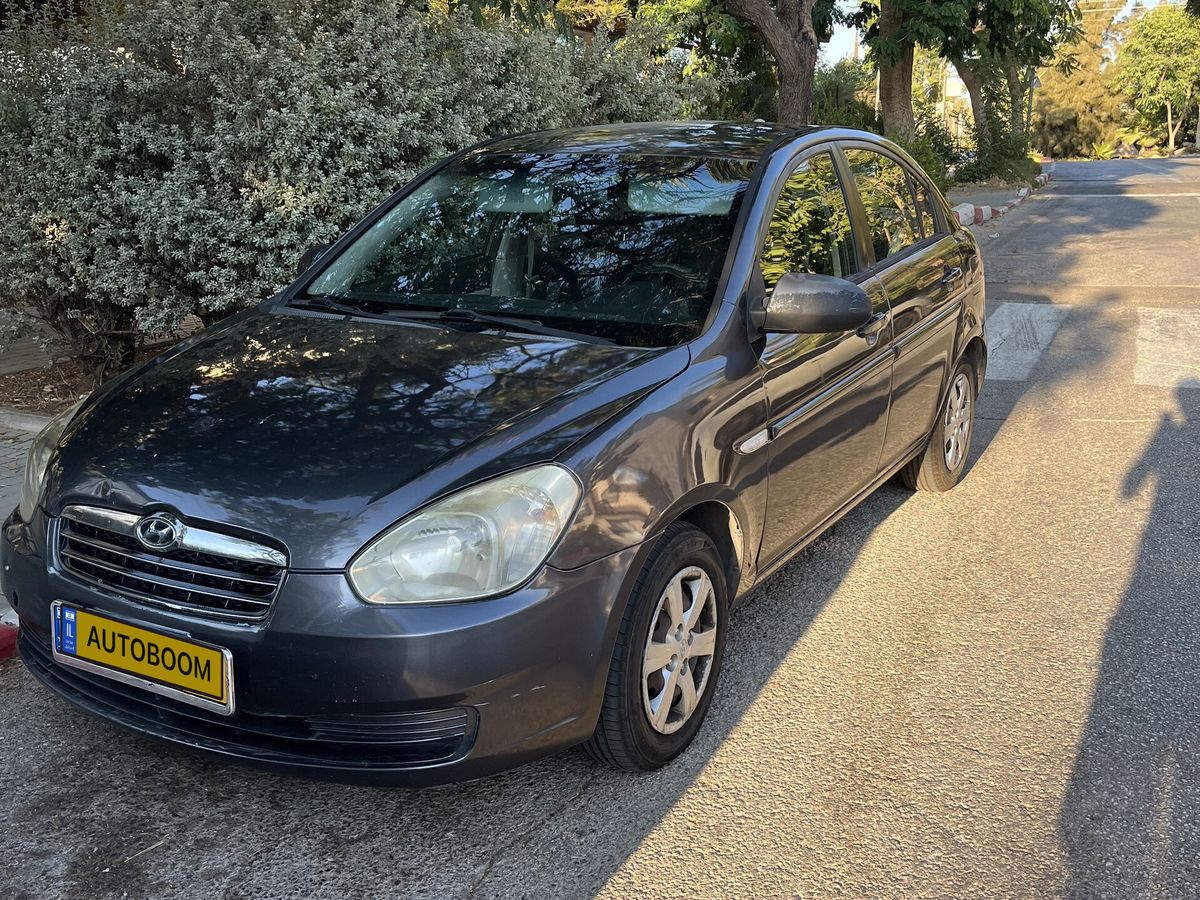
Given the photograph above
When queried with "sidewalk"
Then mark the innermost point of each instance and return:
(21, 355)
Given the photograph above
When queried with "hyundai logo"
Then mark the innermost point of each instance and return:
(159, 532)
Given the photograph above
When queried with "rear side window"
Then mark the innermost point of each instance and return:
(888, 199)
(809, 230)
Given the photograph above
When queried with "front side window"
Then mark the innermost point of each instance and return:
(888, 200)
(809, 231)
(618, 247)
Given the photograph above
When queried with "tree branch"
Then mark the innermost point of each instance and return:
(759, 16)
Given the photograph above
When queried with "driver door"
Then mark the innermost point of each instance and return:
(828, 394)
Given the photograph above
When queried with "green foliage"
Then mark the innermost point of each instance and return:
(718, 45)
(925, 151)
(1137, 137)
(1103, 150)
(1159, 66)
(843, 95)
(1078, 104)
(176, 156)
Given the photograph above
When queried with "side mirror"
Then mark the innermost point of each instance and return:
(310, 256)
(813, 304)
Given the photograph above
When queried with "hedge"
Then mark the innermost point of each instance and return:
(160, 159)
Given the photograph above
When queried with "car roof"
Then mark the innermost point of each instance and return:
(717, 140)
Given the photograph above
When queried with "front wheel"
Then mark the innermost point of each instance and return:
(940, 466)
(668, 655)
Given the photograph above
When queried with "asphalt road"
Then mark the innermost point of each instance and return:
(987, 693)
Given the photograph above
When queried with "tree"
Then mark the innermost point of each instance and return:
(1159, 66)
(789, 32)
(996, 54)
(1078, 105)
(894, 29)
(988, 41)
(718, 43)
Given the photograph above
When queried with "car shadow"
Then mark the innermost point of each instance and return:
(1131, 818)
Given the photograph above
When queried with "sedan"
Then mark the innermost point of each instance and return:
(485, 481)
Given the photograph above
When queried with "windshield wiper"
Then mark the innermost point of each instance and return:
(515, 323)
(451, 316)
(327, 303)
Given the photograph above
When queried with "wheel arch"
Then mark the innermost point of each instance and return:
(976, 354)
(721, 524)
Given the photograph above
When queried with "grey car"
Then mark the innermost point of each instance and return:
(485, 481)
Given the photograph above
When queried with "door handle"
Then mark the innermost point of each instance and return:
(951, 274)
(873, 325)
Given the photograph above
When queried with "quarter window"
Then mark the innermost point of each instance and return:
(925, 209)
(810, 227)
(888, 200)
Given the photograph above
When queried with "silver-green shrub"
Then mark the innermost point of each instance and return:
(176, 156)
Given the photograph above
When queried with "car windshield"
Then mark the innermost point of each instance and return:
(610, 246)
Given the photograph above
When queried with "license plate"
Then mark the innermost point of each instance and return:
(194, 673)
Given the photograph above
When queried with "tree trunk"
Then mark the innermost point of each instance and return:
(795, 65)
(788, 33)
(895, 78)
(974, 85)
(1029, 102)
(1016, 99)
(1170, 129)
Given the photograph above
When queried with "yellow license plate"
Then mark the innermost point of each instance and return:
(199, 674)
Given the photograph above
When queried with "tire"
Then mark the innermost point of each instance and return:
(626, 737)
(935, 468)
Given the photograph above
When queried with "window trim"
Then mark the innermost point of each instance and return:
(878, 266)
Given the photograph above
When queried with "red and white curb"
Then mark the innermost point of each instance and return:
(975, 214)
(8, 630)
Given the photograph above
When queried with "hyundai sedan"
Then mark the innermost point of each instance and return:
(487, 478)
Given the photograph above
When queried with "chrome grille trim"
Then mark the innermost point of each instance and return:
(197, 539)
(208, 573)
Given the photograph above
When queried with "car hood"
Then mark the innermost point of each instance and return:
(317, 432)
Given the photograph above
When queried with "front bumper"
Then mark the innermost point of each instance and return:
(329, 686)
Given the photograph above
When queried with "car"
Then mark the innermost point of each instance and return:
(485, 481)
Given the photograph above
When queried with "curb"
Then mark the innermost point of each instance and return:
(22, 421)
(8, 639)
(8, 630)
(972, 214)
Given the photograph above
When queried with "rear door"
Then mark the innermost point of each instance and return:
(828, 393)
(918, 262)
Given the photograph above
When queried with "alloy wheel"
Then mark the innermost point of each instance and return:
(956, 424)
(679, 650)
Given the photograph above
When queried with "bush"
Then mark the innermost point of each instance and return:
(176, 157)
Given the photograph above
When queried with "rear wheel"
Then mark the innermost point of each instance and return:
(940, 466)
(668, 655)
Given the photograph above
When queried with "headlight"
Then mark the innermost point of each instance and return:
(39, 458)
(484, 540)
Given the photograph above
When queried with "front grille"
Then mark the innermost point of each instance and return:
(183, 578)
(350, 741)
